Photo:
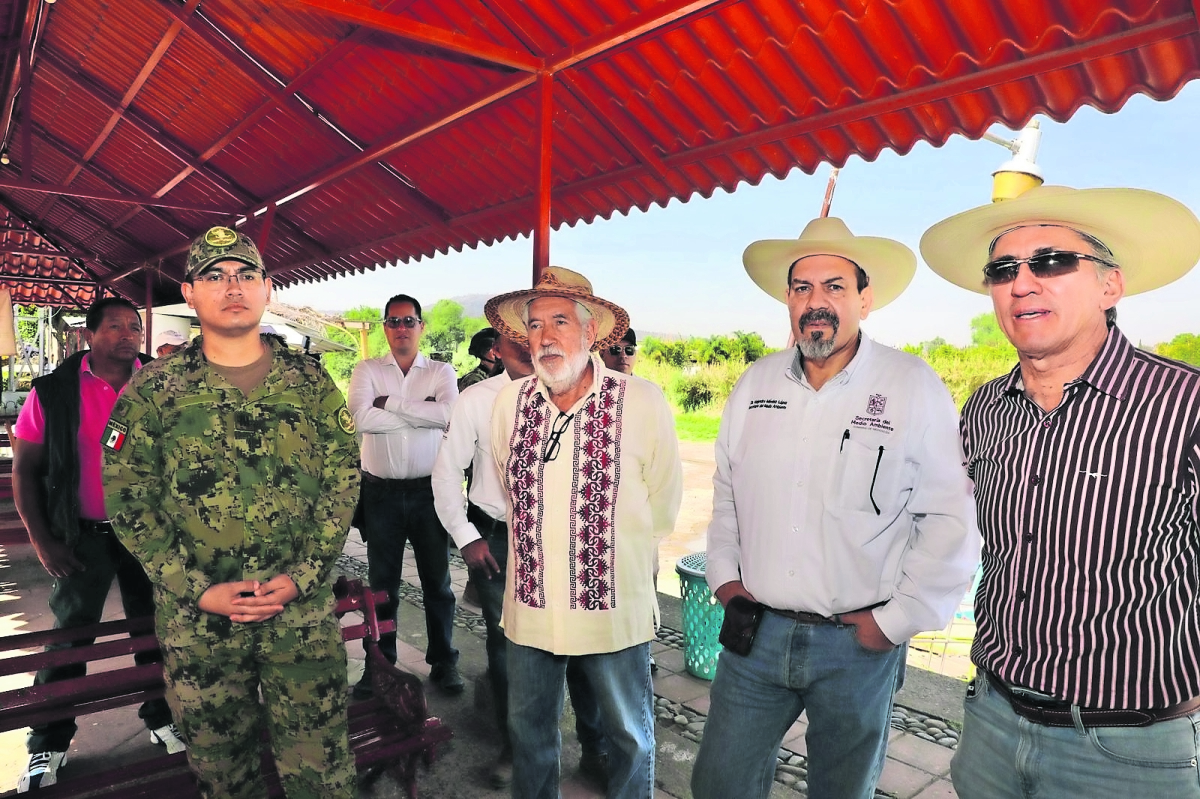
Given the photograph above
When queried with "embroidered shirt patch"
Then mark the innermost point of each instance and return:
(114, 436)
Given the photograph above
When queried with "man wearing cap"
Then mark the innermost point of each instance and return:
(168, 342)
(60, 497)
(590, 464)
(231, 474)
(401, 404)
(1086, 464)
(484, 346)
(842, 524)
(622, 356)
(480, 531)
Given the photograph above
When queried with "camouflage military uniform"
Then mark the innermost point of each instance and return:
(206, 485)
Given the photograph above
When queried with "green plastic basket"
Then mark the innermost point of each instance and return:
(702, 617)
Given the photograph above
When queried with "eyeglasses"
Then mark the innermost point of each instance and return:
(556, 432)
(218, 279)
(616, 350)
(1043, 265)
(397, 322)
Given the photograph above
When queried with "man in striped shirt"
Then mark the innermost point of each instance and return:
(1086, 464)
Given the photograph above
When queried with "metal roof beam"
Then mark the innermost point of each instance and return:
(382, 149)
(106, 196)
(123, 104)
(38, 252)
(428, 35)
(650, 22)
(8, 277)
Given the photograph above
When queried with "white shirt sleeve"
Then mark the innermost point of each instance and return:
(943, 552)
(449, 472)
(423, 412)
(364, 388)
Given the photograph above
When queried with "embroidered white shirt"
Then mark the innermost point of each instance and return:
(583, 526)
(467, 442)
(833, 500)
(400, 441)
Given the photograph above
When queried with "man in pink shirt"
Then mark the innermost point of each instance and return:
(59, 494)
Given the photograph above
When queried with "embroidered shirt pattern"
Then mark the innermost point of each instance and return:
(525, 488)
(594, 498)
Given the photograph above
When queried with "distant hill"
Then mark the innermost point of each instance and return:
(472, 303)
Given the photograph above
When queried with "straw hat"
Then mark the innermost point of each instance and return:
(1155, 239)
(889, 264)
(506, 312)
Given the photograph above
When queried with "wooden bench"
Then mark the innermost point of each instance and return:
(391, 733)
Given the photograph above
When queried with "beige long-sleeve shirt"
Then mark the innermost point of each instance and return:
(583, 525)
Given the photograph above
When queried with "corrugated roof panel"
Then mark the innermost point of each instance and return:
(661, 106)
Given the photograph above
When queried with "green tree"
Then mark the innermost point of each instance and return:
(341, 364)
(1184, 347)
(444, 329)
(986, 332)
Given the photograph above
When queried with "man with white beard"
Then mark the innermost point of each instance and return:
(590, 464)
(842, 524)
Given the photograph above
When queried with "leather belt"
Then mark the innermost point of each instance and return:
(1057, 713)
(484, 523)
(95, 526)
(403, 485)
(804, 617)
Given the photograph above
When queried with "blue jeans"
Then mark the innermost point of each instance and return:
(846, 689)
(1004, 756)
(623, 690)
(393, 516)
(588, 727)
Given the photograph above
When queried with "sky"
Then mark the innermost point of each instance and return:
(678, 269)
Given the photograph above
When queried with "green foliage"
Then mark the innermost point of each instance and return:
(341, 364)
(986, 332)
(697, 426)
(965, 369)
(1184, 347)
(444, 329)
(463, 361)
(740, 348)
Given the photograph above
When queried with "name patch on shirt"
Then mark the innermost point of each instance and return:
(872, 423)
(114, 436)
(770, 404)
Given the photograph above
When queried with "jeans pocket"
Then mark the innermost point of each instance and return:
(1167, 744)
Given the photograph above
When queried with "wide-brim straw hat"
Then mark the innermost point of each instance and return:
(506, 312)
(889, 264)
(1153, 238)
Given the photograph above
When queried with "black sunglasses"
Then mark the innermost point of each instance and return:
(615, 350)
(1043, 265)
(553, 443)
(396, 322)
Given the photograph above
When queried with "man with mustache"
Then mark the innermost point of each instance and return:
(480, 531)
(590, 463)
(1085, 459)
(59, 494)
(842, 524)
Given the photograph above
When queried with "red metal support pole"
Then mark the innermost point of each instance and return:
(541, 226)
(264, 233)
(149, 332)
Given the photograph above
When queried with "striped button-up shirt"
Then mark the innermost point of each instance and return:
(1091, 543)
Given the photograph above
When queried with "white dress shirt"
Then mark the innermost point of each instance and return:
(582, 527)
(400, 441)
(467, 441)
(834, 500)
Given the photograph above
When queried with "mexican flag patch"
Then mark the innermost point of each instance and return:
(114, 436)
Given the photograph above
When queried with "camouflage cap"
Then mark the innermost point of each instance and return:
(220, 244)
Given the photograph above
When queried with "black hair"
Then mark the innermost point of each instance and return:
(482, 341)
(860, 275)
(95, 314)
(402, 298)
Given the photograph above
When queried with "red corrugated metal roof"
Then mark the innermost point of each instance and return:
(392, 129)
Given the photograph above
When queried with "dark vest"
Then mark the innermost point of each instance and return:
(58, 392)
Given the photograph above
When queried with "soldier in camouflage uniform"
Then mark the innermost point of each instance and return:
(230, 473)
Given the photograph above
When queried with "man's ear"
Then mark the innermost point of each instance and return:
(1114, 288)
(187, 289)
(868, 302)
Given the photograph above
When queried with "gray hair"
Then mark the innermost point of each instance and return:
(1106, 264)
(581, 312)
